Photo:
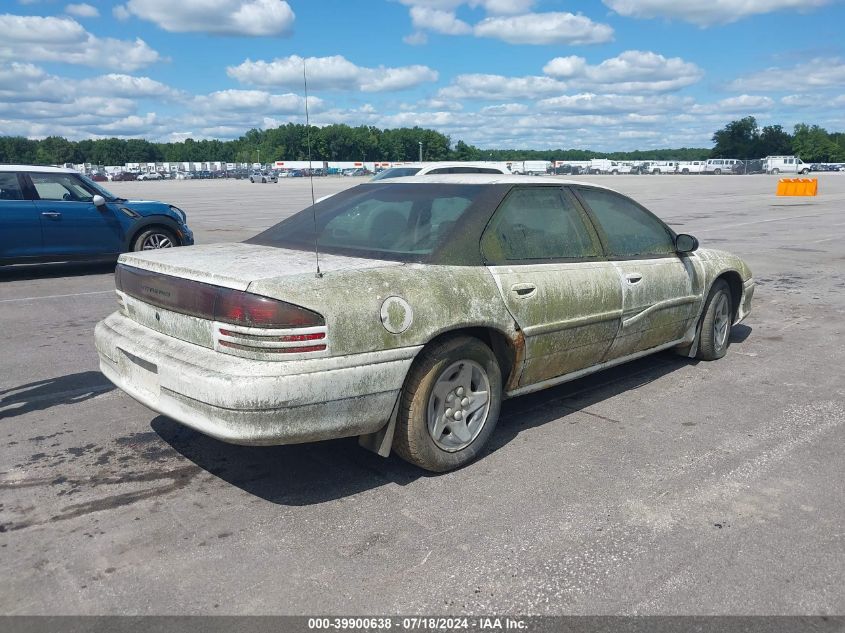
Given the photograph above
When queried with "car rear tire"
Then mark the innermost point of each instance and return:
(449, 404)
(153, 239)
(716, 323)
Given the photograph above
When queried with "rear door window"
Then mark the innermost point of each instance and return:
(535, 224)
(628, 230)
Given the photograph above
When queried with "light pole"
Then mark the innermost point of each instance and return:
(420, 142)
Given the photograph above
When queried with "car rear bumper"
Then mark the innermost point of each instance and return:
(244, 401)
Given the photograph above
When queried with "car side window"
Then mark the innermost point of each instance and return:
(60, 187)
(628, 230)
(537, 223)
(10, 188)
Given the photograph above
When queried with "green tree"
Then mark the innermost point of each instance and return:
(738, 139)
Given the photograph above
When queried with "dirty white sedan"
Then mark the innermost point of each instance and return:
(438, 297)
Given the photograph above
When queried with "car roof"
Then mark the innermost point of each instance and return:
(427, 167)
(38, 169)
(486, 179)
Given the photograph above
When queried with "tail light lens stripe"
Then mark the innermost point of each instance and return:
(287, 338)
(273, 350)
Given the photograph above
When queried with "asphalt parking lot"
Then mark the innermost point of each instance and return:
(665, 486)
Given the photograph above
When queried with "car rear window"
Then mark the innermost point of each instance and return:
(395, 172)
(404, 222)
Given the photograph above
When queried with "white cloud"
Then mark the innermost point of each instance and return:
(742, 104)
(25, 83)
(708, 12)
(494, 7)
(120, 12)
(816, 74)
(64, 40)
(801, 101)
(330, 73)
(120, 85)
(505, 109)
(631, 71)
(417, 38)
(497, 87)
(544, 29)
(611, 103)
(256, 101)
(82, 10)
(219, 17)
(566, 67)
(426, 18)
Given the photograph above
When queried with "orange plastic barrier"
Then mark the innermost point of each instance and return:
(798, 186)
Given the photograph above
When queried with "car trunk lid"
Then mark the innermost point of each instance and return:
(178, 291)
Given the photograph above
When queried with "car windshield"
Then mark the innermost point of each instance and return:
(395, 172)
(108, 195)
(402, 222)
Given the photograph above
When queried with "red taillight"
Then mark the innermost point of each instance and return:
(211, 302)
(245, 308)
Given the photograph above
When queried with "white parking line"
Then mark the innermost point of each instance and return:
(76, 294)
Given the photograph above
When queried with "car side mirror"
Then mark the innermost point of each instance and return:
(99, 202)
(685, 243)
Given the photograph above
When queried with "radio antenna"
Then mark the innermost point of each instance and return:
(311, 170)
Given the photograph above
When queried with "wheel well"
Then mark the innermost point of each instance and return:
(734, 282)
(147, 227)
(502, 346)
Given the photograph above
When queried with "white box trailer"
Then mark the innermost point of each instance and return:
(529, 167)
(785, 165)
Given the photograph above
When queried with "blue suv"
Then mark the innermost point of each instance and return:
(55, 214)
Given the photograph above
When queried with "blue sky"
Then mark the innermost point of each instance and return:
(600, 74)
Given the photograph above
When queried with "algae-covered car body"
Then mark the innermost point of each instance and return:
(437, 296)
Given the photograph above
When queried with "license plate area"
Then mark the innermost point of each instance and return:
(141, 373)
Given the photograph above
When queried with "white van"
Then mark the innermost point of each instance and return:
(786, 165)
(662, 167)
(720, 165)
(691, 167)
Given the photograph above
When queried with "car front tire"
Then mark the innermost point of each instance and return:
(154, 239)
(716, 323)
(449, 405)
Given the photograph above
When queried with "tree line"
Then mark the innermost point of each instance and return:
(739, 139)
(745, 139)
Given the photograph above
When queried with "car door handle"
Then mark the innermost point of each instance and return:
(524, 290)
(51, 214)
(633, 278)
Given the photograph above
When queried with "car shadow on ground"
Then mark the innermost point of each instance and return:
(306, 474)
(45, 394)
(23, 272)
